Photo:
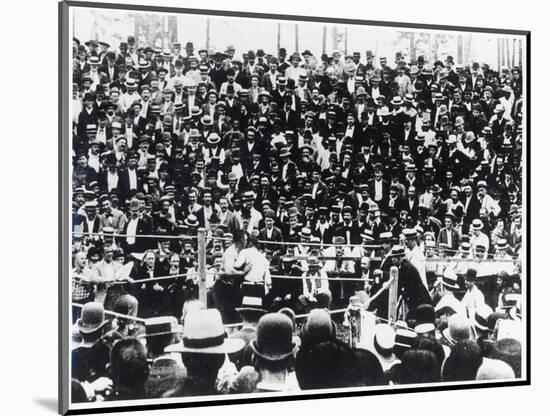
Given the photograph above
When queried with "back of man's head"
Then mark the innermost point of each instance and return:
(329, 364)
(129, 368)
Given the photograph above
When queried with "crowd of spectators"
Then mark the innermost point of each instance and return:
(311, 177)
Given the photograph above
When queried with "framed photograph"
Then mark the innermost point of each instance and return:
(267, 207)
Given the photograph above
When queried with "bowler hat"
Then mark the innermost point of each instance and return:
(274, 340)
(92, 318)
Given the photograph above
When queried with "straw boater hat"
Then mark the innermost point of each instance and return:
(410, 233)
(477, 224)
(450, 279)
(397, 251)
(481, 318)
(161, 325)
(203, 332)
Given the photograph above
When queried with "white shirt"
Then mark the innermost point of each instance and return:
(378, 190)
(132, 178)
(315, 283)
(112, 180)
(101, 135)
(417, 259)
(93, 161)
(473, 299)
(132, 230)
(255, 265)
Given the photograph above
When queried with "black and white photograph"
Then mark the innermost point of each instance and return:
(264, 207)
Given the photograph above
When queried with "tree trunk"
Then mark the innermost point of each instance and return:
(508, 53)
(346, 42)
(296, 47)
(468, 49)
(324, 39)
(498, 55)
(207, 34)
(459, 50)
(412, 47)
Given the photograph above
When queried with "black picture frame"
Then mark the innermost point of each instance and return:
(64, 212)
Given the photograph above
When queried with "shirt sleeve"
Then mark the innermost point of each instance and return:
(240, 261)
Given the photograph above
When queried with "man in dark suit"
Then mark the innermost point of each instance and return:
(411, 203)
(91, 223)
(322, 229)
(290, 118)
(136, 226)
(129, 181)
(448, 235)
(250, 147)
(269, 79)
(88, 115)
(471, 207)
(379, 187)
(347, 229)
(410, 284)
(271, 233)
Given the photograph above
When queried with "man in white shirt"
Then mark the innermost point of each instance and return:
(111, 174)
(253, 266)
(473, 298)
(294, 70)
(414, 254)
(487, 200)
(479, 238)
(316, 292)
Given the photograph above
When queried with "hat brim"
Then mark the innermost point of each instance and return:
(86, 330)
(229, 346)
(455, 286)
(424, 328)
(275, 357)
(250, 309)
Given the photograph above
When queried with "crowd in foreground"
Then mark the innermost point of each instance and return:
(311, 179)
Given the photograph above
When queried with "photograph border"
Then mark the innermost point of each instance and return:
(63, 218)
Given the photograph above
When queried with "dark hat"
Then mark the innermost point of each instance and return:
(251, 302)
(92, 318)
(424, 318)
(274, 340)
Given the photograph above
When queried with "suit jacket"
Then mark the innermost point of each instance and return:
(230, 221)
(115, 219)
(341, 230)
(385, 189)
(124, 183)
(144, 227)
(413, 211)
(411, 287)
(266, 83)
(97, 225)
(290, 122)
(442, 238)
(326, 235)
(471, 211)
(276, 236)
